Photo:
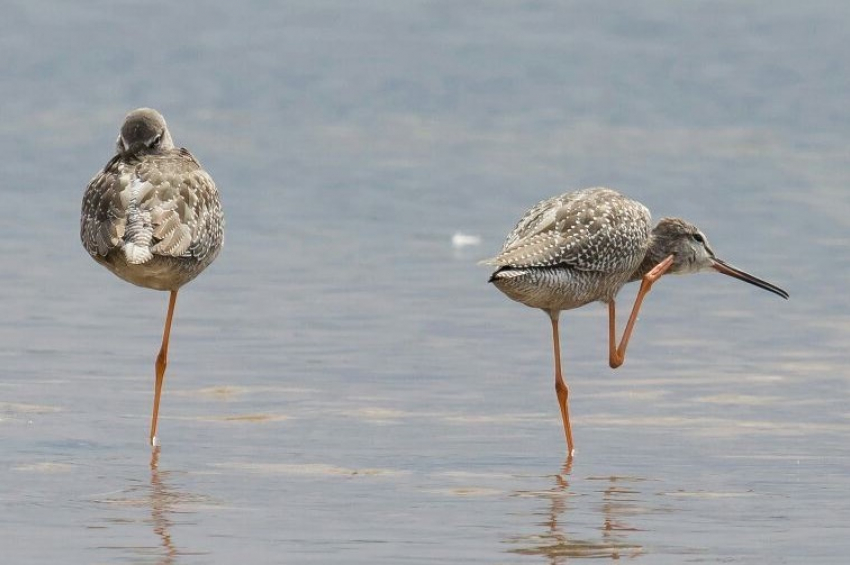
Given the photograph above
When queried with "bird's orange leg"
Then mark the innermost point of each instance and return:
(161, 363)
(561, 388)
(617, 353)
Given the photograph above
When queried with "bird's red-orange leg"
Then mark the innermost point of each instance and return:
(617, 353)
(561, 388)
(161, 363)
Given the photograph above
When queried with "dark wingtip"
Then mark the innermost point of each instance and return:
(496, 273)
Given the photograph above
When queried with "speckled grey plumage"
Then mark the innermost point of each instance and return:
(152, 216)
(583, 246)
(573, 249)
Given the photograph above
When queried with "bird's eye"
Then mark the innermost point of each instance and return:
(698, 238)
(155, 141)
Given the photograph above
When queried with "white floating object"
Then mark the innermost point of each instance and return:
(460, 239)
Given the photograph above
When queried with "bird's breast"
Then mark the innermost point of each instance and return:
(557, 288)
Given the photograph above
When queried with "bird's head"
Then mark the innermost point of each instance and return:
(688, 245)
(692, 253)
(144, 131)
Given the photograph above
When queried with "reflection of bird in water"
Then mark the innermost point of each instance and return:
(584, 246)
(618, 501)
(560, 547)
(161, 500)
(165, 501)
(153, 217)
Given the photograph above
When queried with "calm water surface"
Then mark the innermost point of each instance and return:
(343, 384)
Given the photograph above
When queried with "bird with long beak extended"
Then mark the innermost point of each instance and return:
(582, 247)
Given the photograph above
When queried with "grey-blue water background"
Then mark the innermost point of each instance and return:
(344, 386)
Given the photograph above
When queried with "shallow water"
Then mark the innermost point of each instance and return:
(343, 384)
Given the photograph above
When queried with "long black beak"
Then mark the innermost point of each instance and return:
(727, 269)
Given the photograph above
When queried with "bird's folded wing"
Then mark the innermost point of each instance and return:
(594, 230)
(150, 210)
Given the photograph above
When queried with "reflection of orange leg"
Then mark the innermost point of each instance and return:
(567, 468)
(154, 460)
(161, 363)
(162, 504)
(617, 354)
(561, 388)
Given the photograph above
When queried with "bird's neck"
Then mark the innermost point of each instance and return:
(655, 253)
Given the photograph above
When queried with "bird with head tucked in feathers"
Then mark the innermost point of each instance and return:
(153, 217)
